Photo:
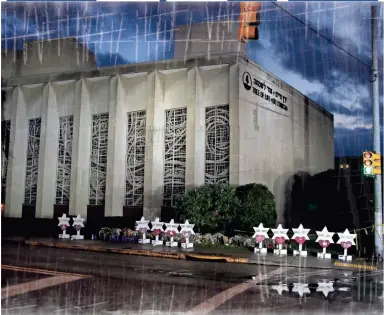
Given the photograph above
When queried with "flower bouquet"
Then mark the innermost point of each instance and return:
(105, 233)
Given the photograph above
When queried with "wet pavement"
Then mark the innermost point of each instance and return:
(118, 284)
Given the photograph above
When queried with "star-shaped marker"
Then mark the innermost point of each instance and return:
(280, 288)
(260, 233)
(300, 234)
(301, 288)
(157, 225)
(63, 220)
(325, 287)
(142, 225)
(324, 237)
(346, 239)
(280, 234)
(79, 221)
(187, 228)
(171, 228)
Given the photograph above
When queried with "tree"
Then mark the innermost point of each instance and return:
(210, 206)
(257, 205)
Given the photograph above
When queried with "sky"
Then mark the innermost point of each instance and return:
(322, 49)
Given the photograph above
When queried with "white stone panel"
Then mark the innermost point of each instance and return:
(75, 146)
(215, 84)
(46, 186)
(98, 92)
(17, 156)
(191, 107)
(149, 144)
(234, 159)
(64, 93)
(157, 147)
(199, 149)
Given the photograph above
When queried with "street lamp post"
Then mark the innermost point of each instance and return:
(378, 208)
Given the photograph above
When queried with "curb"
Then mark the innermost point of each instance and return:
(136, 252)
(188, 256)
(355, 266)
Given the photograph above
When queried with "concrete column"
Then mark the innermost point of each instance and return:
(17, 156)
(191, 106)
(234, 144)
(199, 143)
(117, 129)
(81, 153)
(46, 184)
(156, 149)
(75, 145)
(149, 143)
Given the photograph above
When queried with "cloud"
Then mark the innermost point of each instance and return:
(344, 94)
(347, 93)
(272, 61)
(351, 122)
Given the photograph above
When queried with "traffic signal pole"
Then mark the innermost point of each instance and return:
(378, 206)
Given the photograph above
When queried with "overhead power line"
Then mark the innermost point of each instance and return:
(322, 36)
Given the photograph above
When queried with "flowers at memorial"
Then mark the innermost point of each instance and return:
(105, 233)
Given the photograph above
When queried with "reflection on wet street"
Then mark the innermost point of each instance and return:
(116, 284)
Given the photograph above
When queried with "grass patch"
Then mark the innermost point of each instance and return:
(223, 248)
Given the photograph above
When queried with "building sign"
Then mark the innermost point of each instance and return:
(264, 91)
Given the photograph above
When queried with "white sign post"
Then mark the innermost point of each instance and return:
(300, 236)
(280, 235)
(325, 287)
(157, 227)
(171, 231)
(142, 227)
(301, 288)
(324, 239)
(280, 288)
(260, 235)
(64, 223)
(78, 223)
(187, 231)
(346, 241)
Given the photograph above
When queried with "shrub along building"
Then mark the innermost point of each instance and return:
(126, 141)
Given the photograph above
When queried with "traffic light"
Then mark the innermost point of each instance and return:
(249, 20)
(371, 163)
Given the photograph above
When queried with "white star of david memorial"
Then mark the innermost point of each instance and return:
(187, 231)
(301, 288)
(324, 238)
(63, 223)
(325, 287)
(142, 227)
(280, 288)
(78, 223)
(157, 227)
(171, 231)
(280, 236)
(346, 241)
(300, 236)
(260, 235)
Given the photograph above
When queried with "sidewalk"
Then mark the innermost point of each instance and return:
(198, 253)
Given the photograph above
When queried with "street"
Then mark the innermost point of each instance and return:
(37, 280)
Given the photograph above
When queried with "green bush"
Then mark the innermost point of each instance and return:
(228, 209)
(257, 206)
(210, 206)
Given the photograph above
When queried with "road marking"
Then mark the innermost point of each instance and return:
(34, 270)
(219, 299)
(56, 278)
(37, 285)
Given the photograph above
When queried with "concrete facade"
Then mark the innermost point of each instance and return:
(268, 143)
(46, 57)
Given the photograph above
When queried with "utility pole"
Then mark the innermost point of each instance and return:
(378, 206)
